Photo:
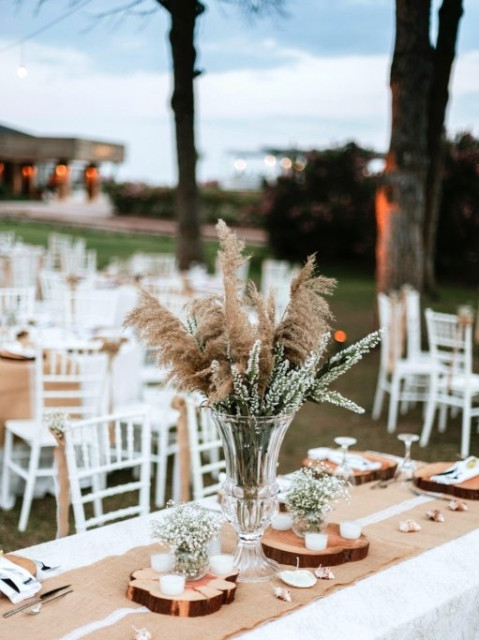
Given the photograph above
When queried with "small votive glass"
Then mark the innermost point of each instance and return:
(281, 522)
(162, 562)
(316, 541)
(221, 564)
(172, 584)
(214, 546)
(350, 530)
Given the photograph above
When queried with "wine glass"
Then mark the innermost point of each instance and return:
(344, 470)
(406, 468)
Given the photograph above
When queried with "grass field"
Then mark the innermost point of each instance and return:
(315, 425)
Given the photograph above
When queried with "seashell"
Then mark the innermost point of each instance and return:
(409, 526)
(324, 573)
(458, 505)
(300, 578)
(435, 515)
(282, 594)
(141, 634)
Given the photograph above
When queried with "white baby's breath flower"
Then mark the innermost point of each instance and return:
(188, 527)
(314, 491)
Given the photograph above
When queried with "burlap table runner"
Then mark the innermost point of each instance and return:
(100, 588)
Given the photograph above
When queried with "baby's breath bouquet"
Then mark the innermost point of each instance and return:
(188, 528)
(312, 496)
(247, 364)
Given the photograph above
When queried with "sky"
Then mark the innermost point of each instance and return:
(315, 77)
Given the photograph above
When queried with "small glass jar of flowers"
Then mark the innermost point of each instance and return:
(188, 528)
(312, 495)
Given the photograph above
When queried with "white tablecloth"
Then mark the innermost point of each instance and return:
(432, 596)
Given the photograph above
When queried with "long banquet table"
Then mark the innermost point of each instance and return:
(427, 588)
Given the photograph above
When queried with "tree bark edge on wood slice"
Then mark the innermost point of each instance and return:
(385, 472)
(200, 597)
(469, 490)
(287, 548)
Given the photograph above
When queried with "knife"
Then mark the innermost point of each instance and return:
(432, 494)
(10, 612)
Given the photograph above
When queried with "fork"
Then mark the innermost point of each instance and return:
(43, 567)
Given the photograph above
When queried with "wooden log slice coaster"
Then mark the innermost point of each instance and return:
(384, 472)
(200, 597)
(25, 563)
(287, 548)
(468, 490)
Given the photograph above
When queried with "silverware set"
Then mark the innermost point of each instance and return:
(39, 601)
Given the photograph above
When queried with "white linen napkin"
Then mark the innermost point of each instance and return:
(16, 582)
(459, 472)
(355, 461)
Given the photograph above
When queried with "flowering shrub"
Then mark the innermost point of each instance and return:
(237, 208)
(327, 208)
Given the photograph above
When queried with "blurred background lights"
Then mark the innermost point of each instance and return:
(270, 161)
(240, 164)
(286, 163)
(340, 336)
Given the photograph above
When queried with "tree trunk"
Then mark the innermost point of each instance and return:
(183, 19)
(400, 198)
(449, 16)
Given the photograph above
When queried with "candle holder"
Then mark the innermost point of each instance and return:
(172, 584)
(350, 530)
(316, 541)
(162, 562)
(222, 564)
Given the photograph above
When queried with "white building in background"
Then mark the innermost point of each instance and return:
(34, 165)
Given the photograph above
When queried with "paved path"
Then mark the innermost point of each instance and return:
(99, 215)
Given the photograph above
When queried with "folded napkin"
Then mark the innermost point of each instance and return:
(355, 461)
(459, 472)
(16, 582)
(19, 350)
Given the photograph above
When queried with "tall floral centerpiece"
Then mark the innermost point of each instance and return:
(255, 372)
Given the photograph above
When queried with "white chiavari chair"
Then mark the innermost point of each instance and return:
(454, 385)
(69, 378)
(206, 450)
(17, 305)
(108, 457)
(404, 370)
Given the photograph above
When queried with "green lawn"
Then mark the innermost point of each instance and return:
(315, 425)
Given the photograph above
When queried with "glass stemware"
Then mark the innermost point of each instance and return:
(344, 470)
(406, 468)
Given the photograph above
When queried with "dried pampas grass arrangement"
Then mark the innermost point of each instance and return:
(251, 367)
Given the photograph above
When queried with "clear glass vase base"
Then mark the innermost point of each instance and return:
(253, 565)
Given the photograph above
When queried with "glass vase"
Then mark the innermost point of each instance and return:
(250, 492)
(311, 523)
(193, 564)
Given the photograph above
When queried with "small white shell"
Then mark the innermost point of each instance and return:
(324, 573)
(299, 578)
(282, 594)
(409, 526)
(435, 515)
(142, 634)
(458, 505)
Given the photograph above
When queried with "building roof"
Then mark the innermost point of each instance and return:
(23, 147)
